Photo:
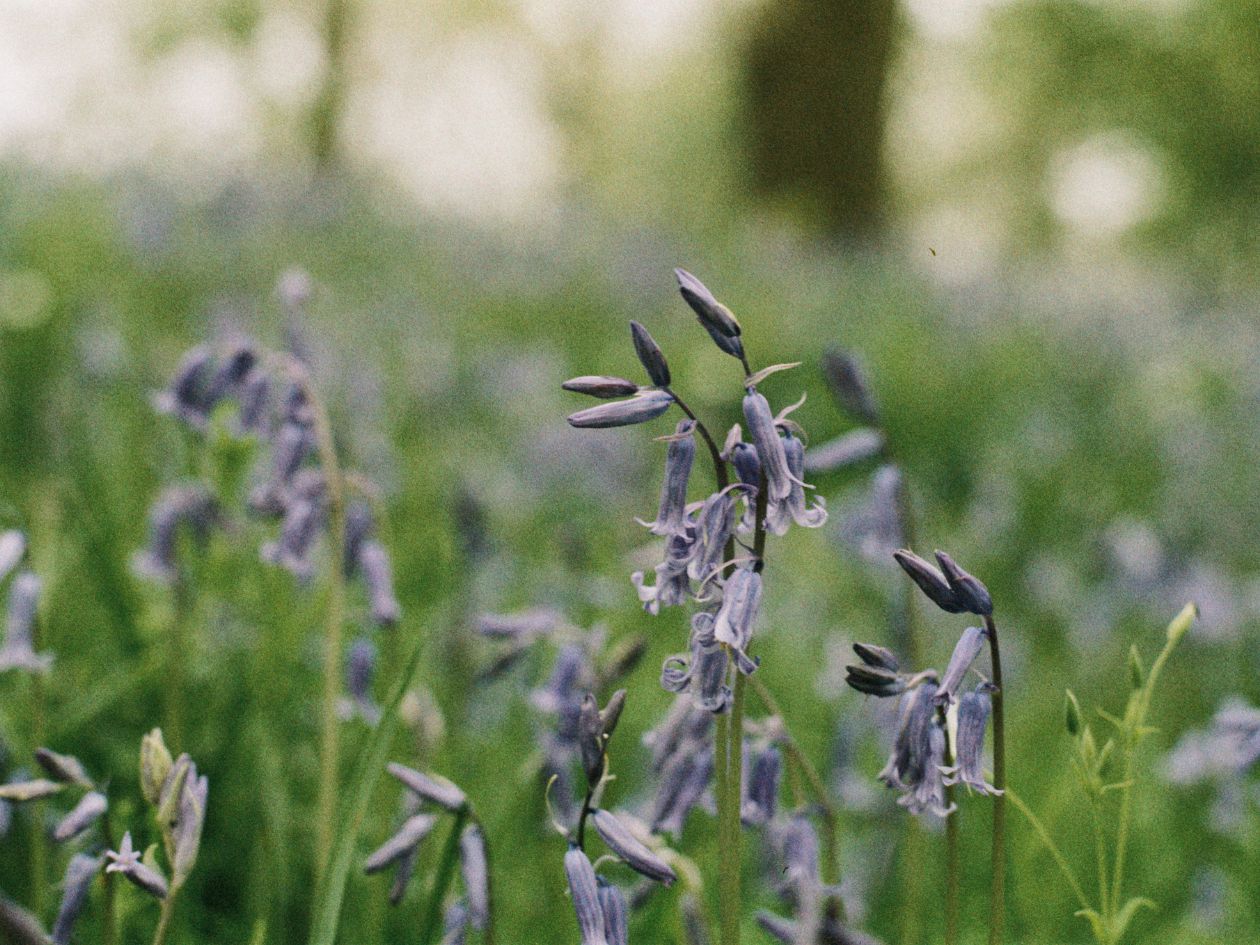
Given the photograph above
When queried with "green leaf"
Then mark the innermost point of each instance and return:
(1118, 786)
(367, 771)
(1097, 924)
(1122, 919)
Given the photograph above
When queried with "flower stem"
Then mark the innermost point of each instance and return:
(109, 918)
(997, 898)
(728, 815)
(164, 920)
(329, 749)
(1047, 841)
(173, 687)
(719, 464)
(951, 845)
(442, 879)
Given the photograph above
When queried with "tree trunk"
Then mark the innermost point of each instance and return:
(815, 74)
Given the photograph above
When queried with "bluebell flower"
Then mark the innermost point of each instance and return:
(601, 386)
(769, 445)
(927, 793)
(715, 317)
(673, 585)
(475, 869)
(185, 396)
(85, 813)
(525, 625)
(650, 355)
(793, 508)
(683, 780)
(847, 380)
(80, 873)
(584, 891)
(404, 841)
(849, 449)
(671, 514)
(704, 675)
(12, 549)
(378, 578)
(973, 718)
(965, 652)
(18, 651)
(179, 509)
(126, 860)
(741, 604)
(714, 525)
(618, 837)
(905, 764)
(360, 670)
(761, 785)
(430, 787)
(616, 913)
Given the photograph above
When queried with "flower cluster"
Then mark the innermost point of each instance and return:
(74, 828)
(700, 536)
(273, 406)
(178, 796)
(920, 763)
(426, 796)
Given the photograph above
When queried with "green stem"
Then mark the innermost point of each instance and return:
(1131, 737)
(176, 659)
(442, 879)
(109, 920)
(729, 853)
(1100, 861)
(164, 920)
(39, 837)
(952, 871)
(1048, 842)
(997, 896)
(329, 754)
(907, 636)
(487, 936)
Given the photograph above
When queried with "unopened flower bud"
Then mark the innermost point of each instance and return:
(601, 386)
(650, 355)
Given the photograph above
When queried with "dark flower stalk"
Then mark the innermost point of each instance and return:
(997, 893)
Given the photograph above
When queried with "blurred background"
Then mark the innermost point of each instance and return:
(1035, 222)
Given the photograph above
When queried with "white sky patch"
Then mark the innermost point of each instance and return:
(464, 129)
(287, 59)
(950, 20)
(1105, 185)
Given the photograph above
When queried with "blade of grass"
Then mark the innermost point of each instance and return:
(370, 764)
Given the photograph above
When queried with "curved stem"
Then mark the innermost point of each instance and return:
(997, 898)
(1048, 842)
(719, 464)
